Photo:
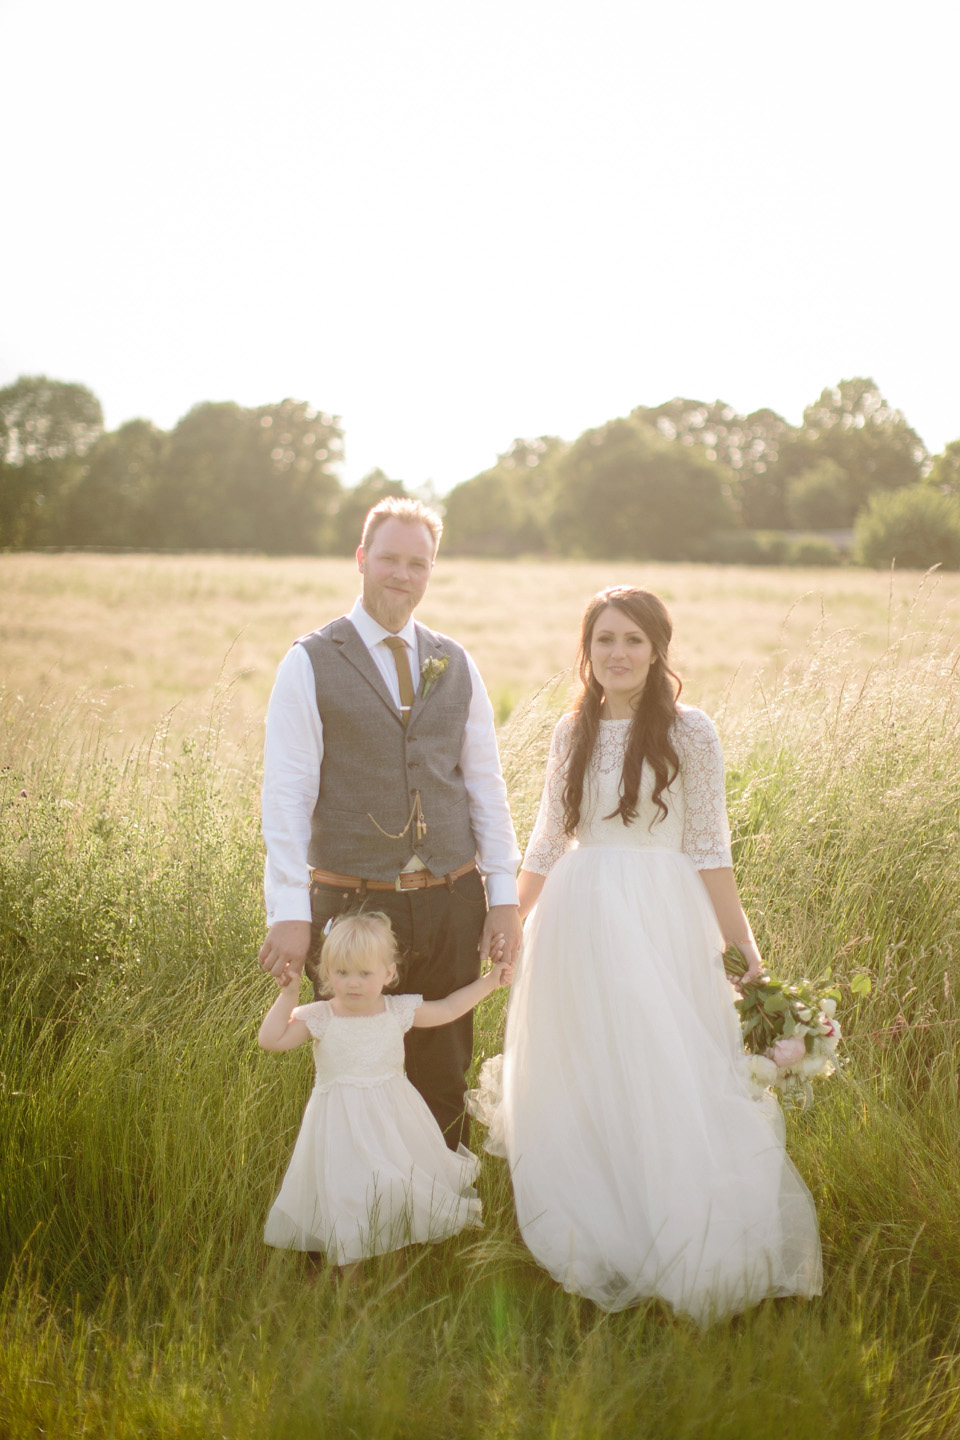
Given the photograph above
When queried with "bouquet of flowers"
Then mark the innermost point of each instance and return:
(790, 1034)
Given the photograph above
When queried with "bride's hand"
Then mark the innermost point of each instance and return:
(754, 963)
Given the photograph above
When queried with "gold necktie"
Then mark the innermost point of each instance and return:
(402, 661)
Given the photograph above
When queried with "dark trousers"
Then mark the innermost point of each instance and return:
(438, 931)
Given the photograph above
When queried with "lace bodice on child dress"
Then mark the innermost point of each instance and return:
(696, 821)
(358, 1049)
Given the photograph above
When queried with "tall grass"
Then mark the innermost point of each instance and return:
(142, 1134)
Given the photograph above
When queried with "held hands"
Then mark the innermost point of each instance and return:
(502, 922)
(502, 969)
(502, 973)
(285, 948)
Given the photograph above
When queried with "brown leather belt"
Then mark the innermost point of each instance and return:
(407, 880)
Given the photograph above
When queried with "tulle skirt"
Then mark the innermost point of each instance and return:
(370, 1173)
(641, 1163)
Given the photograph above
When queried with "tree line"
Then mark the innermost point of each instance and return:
(687, 480)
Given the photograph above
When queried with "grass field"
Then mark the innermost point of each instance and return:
(148, 637)
(142, 1134)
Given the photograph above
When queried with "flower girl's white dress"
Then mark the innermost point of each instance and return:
(370, 1171)
(641, 1164)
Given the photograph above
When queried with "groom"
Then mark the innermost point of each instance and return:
(383, 791)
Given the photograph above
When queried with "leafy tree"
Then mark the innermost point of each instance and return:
(203, 495)
(354, 505)
(743, 443)
(852, 425)
(525, 456)
(819, 498)
(251, 479)
(763, 486)
(505, 510)
(945, 470)
(812, 550)
(114, 501)
(43, 419)
(47, 428)
(914, 528)
(624, 489)
(488, 515)
(748, 547)
(751, 446)
(295, 482)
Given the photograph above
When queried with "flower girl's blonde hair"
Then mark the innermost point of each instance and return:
(364, 936)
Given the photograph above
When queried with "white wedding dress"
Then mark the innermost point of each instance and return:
(370, 1171)
(641, 1164)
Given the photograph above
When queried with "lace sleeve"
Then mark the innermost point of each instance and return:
(316, 1017)
(404, 1007)
(706, 830)
(549, 841)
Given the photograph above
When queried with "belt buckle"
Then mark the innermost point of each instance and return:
(396, 885)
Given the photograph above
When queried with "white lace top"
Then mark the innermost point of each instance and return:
(696, 821)
(358, 1049)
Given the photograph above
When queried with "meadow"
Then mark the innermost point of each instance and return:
(143, 1135)
(147, 640)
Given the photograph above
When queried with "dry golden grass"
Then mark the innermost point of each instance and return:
(149, 636)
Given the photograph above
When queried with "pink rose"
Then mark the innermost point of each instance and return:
(788, 1051)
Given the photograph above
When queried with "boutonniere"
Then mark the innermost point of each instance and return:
(430, 672)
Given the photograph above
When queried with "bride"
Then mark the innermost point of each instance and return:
(641, 1164)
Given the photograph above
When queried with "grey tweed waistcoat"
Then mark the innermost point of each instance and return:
(379, 778)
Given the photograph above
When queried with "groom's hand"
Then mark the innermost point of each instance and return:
(503, 921)
(287, 944)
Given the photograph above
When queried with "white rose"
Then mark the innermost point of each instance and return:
(762, 1070)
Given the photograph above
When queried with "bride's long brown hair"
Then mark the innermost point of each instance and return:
(649, 738)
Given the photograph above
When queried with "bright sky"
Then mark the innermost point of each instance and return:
(454, 224)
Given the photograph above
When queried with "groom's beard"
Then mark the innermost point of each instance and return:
(390, 611)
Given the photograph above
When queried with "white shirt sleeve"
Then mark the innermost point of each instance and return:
(292, 755)
(498, 854)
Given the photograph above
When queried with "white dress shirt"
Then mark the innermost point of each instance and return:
(293, 754)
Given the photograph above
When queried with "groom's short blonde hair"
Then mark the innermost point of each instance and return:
(411, 512)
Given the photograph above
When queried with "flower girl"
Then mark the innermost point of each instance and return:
(370, 1170)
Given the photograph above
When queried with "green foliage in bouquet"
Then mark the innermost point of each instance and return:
(790, 1032)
